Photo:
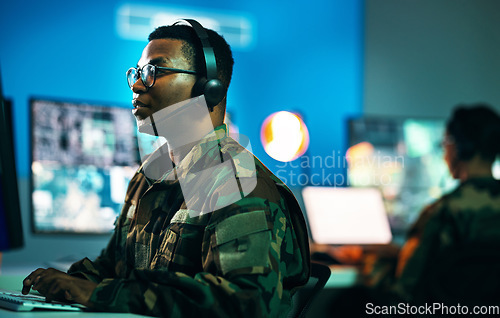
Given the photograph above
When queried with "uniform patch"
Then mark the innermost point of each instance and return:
(243, 241)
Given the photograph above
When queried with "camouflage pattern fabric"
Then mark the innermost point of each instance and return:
(243, 260)
(470, 214)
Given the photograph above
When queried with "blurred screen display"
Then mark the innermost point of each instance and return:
(404, 159)
(83, 157)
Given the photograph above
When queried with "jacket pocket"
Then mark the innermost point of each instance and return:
(166, 251)
(180, 246)
(243, 243)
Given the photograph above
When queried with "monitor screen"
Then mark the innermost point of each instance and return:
(11, 232)
(83, 157)
(404, 159)
(346, 215)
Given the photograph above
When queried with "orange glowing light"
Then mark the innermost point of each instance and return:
(361, 150)
(284, 136)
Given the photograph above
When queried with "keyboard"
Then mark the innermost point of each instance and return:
(20, 302)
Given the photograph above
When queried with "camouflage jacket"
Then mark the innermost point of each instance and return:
(468, 215)
(243, 257)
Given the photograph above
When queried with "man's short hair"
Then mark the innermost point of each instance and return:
(193, 49)
(475, 129)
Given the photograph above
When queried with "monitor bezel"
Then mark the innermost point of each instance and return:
(13, 218)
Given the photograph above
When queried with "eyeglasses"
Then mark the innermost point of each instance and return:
(148, 72)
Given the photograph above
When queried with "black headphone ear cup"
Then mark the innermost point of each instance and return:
(213, 90)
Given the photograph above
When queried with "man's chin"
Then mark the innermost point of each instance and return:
(141, 113)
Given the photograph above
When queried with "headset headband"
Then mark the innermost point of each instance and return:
(208, 51)
(211, 87)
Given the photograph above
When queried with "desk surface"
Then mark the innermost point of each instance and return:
(342, 276)
(11, 280)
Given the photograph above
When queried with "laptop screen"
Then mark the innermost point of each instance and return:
(346, 215)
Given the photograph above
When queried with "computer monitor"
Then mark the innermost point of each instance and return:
(350, 215)
(403, 158)
(11, 231)
(83, 157)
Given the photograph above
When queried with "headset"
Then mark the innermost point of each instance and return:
(210, 86)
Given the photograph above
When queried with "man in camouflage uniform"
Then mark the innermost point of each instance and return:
(429, 267)
(209, 231)
(468, 216)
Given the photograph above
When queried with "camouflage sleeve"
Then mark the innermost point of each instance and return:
(248, 256)
(86, 269)
(436, 229)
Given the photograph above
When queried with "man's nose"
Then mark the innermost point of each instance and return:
(139, 86)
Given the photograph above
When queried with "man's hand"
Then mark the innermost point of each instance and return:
(56, 285)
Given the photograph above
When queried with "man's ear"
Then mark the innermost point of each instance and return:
(455, 163)
(217, 113)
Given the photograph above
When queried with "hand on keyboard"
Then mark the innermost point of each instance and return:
(57, 285)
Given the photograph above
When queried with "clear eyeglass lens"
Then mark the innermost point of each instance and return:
(131, 76)
(148, 75)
